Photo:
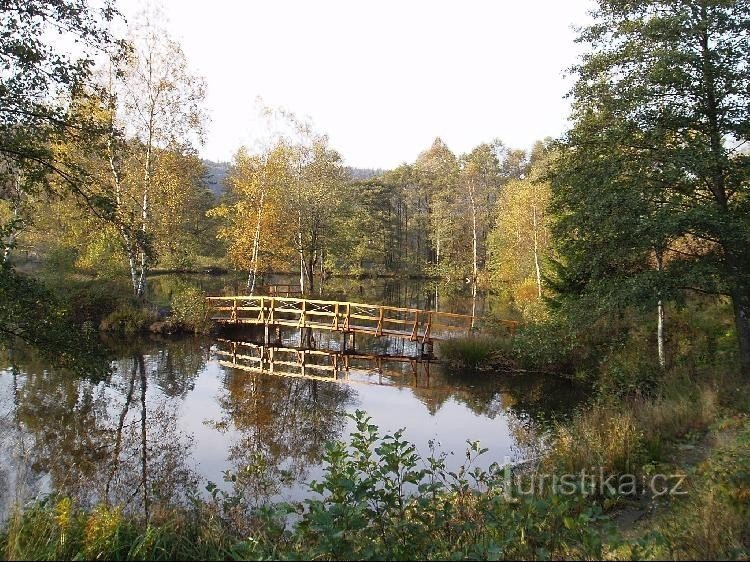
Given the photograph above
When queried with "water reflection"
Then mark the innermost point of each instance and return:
(169, 417)
(117, 440)
(280, 426)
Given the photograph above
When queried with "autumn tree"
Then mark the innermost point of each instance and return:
(520, 239)
(157, 103)
(283, 201)
(317, 180)
(479, 185)
(252, 213)
(437, 169)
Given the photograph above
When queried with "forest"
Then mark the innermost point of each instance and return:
(622, 248)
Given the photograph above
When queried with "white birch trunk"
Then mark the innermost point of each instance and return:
(660, 320)
(536, 254)
(256, 245)
(472, 199)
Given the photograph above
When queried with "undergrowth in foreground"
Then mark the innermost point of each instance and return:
(379, 499)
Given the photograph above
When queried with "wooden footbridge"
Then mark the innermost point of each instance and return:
(416, 325)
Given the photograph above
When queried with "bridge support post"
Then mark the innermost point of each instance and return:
(271, 335)
(426, 349)
(306, 337)
(348, 342)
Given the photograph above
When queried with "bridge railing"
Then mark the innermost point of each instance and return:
(378, 320)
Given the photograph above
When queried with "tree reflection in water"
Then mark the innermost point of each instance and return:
(124, 437)
(282, 426)
(116, 440)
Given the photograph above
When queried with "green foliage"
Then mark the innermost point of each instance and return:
(59, 261)
(91, 301)
(102, 256)
(128, 319)
(650, 190)
(382, 500)
(30, 312)
(39, 80)
(189, 308)
(553, 346)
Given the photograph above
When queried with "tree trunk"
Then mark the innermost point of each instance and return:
(473, 304)
(302, 273)
(141, 289)
(660, 318)
(742, 322)
(475, 269)
(256, 246)
(739, 290)
(536, 255)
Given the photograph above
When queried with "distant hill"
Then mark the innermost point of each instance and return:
(364, 173)
(216, 172)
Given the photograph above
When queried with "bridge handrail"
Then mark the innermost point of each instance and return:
(345, 303)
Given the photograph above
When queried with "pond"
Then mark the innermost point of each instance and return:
(172, 416)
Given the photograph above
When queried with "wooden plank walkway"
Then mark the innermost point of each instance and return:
(413, 324)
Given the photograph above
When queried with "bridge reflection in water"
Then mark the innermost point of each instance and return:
(325, 364)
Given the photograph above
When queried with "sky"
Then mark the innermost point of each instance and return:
(381, 78)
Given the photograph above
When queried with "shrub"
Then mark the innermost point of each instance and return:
(189, 308)
(92, 301)
(127, 319)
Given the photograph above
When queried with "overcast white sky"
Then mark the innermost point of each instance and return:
(383, 78)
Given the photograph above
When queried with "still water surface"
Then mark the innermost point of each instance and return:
(169, 418)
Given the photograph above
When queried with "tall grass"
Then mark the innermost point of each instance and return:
(621, 436)
(471, 353)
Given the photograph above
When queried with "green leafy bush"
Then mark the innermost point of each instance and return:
(189, 308)
(127, 319)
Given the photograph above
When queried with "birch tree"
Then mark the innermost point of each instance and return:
(479, 183)
(252, 215)
(318, 177)
(520, 240)
(158, 103)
